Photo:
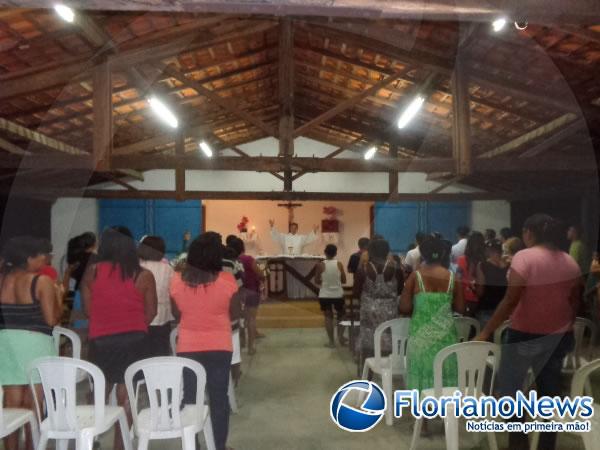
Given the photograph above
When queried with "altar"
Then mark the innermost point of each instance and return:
(291, 276)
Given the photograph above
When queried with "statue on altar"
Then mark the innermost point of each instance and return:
(292, 243)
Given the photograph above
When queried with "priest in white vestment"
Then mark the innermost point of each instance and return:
(292, 243)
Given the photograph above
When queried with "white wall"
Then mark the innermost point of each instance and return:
(69, 218)
(494, 214)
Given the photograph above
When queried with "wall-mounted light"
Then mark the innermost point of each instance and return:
(65, 13)
(206, 149)
(411, 111)
(498, 24)
(163, 112)
(370, 153)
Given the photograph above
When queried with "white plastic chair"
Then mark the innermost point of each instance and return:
(393, 364)
(13, 419)
(472, 363)
(230, 389)
(584, 332)
(465, 327)
(66, 419)
(75, 340)
(164, 419)
(579, 386)
(499, 333)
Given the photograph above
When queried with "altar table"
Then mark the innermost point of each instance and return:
(291, 276)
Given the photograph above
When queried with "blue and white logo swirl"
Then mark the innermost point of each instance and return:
(367, 415)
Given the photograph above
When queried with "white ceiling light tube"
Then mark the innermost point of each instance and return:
(206, 149)
(370, 153)
(498, 24)
(411, 111)
(163, 112)
(66, 13)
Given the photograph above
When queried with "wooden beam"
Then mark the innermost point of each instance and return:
(444, 185)
(393, 174)
(348, 103)
(228, 104)
(193, 161)
(12, 148)
(568, 131)
(39, 138)
(461, 120)
(286, 96)
(517, 143)
(103, 116)
(180, 171)
(333, 154)
(115, 179)
(138, 52)
(279, 195)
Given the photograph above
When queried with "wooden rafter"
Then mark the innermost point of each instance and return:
(39, 138)
(348, 103)
(286, 96)
(517, 143)
(461, 120)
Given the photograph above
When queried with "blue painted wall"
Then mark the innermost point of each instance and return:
(399, 222)
(166, 218)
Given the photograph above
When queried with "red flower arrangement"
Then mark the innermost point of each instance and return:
(242, 228)
(330, 211)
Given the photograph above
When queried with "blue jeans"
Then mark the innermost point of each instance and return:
(544, 354)
(217, 365)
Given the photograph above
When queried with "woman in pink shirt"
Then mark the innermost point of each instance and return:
(544, 288)
(204, 297)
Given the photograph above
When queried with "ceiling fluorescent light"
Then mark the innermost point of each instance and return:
(66, 13)
(206, 149)
(370, 152)
(163, 112)
(411, 111)
(498, 24)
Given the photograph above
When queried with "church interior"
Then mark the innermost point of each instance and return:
(343, 119)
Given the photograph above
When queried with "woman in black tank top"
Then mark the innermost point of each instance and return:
(30, 306)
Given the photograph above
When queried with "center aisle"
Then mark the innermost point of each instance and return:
(284, 397)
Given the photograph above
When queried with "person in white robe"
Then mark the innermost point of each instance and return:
(292, 243)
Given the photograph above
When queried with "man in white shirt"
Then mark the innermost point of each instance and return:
(413, 257)
(292, 243)
(458, 249)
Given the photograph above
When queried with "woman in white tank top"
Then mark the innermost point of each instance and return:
(330, 277)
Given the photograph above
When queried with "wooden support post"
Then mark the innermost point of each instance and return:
(393, 174)
(461, 120)
(103, 116)
(180, 170)
(286, 96)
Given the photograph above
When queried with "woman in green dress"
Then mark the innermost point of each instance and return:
(429, 296)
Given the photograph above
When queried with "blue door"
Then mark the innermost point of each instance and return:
(168, 219)
(399, 222)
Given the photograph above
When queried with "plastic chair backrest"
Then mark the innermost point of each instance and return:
(59, 381)
(164, 380)
(472, 359)
(399, 338)
(73, 337)
(465, 326)
(580, 377)
(499, 333)
(581, 328)
(173, 340)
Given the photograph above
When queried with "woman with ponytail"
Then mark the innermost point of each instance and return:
(544, 288)
(429, 297)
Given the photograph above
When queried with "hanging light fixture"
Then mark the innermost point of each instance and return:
(163, 112)
(206, 149)
(411, 111)
(498, 24)
(66, 13)
(370, 153)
